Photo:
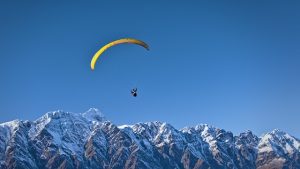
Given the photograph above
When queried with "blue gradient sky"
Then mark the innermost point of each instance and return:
(231, 64)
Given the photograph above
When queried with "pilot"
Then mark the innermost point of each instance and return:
(134, 92)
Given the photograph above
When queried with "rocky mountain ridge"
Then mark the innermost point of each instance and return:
(71, 140)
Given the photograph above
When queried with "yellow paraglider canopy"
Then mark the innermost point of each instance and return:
(113, 43)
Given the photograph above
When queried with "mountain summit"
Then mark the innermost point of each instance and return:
(85, 140)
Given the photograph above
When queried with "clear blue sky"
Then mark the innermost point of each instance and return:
(231, 64)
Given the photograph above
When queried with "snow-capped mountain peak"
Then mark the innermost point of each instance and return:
(93, 114)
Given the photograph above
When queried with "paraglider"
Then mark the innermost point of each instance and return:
(113, 43)
(134, 92)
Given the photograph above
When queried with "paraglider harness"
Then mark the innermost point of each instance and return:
(134, 92)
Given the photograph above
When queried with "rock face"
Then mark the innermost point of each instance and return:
(86, 141)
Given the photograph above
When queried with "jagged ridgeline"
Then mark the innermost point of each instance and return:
(70, 140)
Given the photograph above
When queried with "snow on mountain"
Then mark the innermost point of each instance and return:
(93, 114)
(62, 139)
(278, 148)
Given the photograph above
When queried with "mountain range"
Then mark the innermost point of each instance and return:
(87, 140)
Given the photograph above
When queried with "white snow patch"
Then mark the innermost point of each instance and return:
(125, 126)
